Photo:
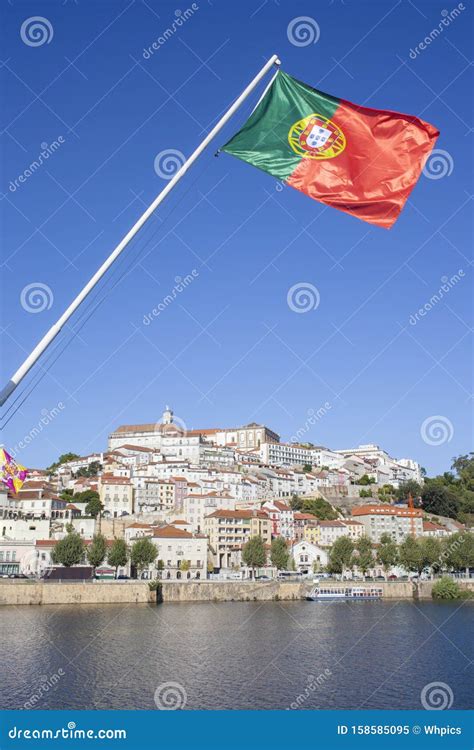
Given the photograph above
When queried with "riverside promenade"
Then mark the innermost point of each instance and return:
(130, 592)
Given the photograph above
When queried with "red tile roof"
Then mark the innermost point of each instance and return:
(171, 532)
(238, 514)
(387, 510)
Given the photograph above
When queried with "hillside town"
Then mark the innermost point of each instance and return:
(167, 502)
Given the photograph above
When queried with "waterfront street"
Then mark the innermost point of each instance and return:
(247, 655)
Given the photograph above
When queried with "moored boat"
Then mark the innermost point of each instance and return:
(336, 593)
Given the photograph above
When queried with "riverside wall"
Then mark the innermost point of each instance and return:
(14, 592)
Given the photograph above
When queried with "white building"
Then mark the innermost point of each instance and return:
(165, 436)
(308, 557)
(182, 554)
(116, 495)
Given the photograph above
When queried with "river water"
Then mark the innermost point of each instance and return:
(236, 655)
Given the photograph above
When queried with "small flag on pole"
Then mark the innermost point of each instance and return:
(12, 474)
(362, 161)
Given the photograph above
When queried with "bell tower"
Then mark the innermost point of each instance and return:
(167, 416)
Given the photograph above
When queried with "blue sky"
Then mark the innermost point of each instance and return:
(229, 349)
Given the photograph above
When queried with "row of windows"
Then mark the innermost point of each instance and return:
(8, 556)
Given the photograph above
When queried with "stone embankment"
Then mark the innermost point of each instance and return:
(13, 592)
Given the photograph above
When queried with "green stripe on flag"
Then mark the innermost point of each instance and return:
(263, 140)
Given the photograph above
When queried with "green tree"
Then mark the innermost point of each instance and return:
(69, 550)
(118, 554)
(340, 555)
(408, 488)
(142, 554)
(364, 556)
(296, 503)
(365, 480)
(411, 557)
(94, 507)
(307, 468)
(97, 550)
(89, 471)
(253, 553)
(85, 496)
(319, 508)
(458, 551)
(464, 468)
(185, 565)
(431, 553)
(365, 493)
(386, 493)
(438, 499)
(387, 553)
(279, 554)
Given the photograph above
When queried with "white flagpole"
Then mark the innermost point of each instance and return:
(18, 376)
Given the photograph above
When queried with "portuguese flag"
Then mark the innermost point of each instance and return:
(359, 160)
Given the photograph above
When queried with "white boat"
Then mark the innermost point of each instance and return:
(335, 593)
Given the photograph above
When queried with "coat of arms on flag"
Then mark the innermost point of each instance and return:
(12, 474)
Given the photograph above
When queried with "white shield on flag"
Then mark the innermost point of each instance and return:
(318, 136)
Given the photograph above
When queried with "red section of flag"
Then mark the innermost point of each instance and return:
(378, 168)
